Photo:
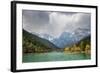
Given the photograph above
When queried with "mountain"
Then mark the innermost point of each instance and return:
(82, 33)
(83, 43)
(66, 39)
(46, 36)
(32, 42)
(83, 46)
(85, 40)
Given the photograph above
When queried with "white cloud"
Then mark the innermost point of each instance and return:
(59, 22)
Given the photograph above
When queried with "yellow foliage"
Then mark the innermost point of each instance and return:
(66, 49)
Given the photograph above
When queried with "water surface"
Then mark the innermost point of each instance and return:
(54, 56)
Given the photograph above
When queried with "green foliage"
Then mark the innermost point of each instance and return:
(35, 44)
(85, 41)
(82, 45)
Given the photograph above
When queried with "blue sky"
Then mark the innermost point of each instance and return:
(54, 23)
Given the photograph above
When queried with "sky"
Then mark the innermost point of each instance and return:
(55, 23)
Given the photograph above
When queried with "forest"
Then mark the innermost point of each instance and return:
(83, 46)
(35, 44)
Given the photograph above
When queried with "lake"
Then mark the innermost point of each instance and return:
(54, 56)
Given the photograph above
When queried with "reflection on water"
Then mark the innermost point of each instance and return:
(54, 56)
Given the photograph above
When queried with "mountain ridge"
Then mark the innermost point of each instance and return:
(37, 42)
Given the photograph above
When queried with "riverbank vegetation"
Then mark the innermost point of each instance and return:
(83, 46)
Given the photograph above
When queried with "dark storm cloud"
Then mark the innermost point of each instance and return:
(85, 21)
(36, 19)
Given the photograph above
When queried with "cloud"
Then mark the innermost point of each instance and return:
(58, 23)
(54, 23)
(79, 21)
(35, 20)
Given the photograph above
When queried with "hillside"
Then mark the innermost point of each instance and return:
(84, 42)
(83, 46)
(33, 43)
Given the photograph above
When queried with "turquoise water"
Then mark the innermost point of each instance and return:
(53, 56)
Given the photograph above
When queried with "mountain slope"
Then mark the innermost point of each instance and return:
(82, 45)
(33, 43)
(66, 39)
(84, 42)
